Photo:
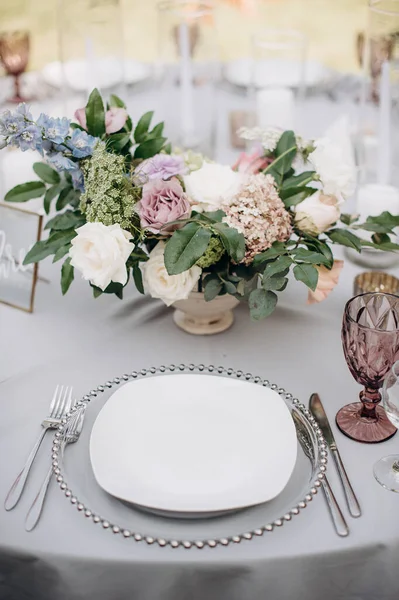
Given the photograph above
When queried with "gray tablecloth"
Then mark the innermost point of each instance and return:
(84, 342)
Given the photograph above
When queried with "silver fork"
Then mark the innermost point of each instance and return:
(72, 434)
(60, 405)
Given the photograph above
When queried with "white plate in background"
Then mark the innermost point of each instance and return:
(276, 73)
(104, 73)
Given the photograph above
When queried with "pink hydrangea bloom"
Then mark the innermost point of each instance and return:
(259, 214)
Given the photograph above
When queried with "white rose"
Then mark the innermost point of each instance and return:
(211, 185)
(317, 213)
(100, 252)
(331, 162)
(168, 288)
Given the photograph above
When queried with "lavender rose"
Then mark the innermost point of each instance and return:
(163, 166)
(163, 202)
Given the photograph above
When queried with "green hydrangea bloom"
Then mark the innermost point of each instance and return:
(109, 197)
(212, 254)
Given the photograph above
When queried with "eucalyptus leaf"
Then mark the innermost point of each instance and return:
(212, 286)
(185, 247)
(95, 114)
(277, 249)
(38, 252)
(25, 191)
(261, 303)
(46, 173)
(280, 265)
(275, 283)
(308, 274)
(67, 275)
(383, 223)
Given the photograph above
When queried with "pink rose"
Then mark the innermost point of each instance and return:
(328, 279)
(163, 202)
(115, 118)
(251, 163)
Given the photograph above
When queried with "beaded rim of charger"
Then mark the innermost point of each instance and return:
(319, 467)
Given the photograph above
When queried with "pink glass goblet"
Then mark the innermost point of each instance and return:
(370, 339)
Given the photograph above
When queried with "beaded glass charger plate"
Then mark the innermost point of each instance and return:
(78, 484)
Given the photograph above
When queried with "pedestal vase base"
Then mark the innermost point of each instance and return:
(363, 429)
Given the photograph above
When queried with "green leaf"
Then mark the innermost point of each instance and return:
(212, 287)
(61, 252)
(348, 219)
(67, 196)
(261, 303)
(216, 215)
(66, 220)
(385, 246)
(50, 194)
(383, 223)
(38, 252)
(149, 148)
(138, 278)
(308, 256)
(114, 288)
(280, 265)
(96, 291)
(298, 181)
(233, 241)
(156, 132)
(142, 127)
(295, 198)
(275, 283)
(67, 274)
(168, 148)
(229, 288)
(345, 238)
(117, 141)
(307, 274)
(95, 114)
(116, 101)
(25, 192)
(185, 247)
(46, 173)
(275, 250)
(321, 247)
(285, 153)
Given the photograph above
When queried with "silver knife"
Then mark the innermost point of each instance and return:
(319, 413)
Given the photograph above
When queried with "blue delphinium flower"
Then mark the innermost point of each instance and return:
(30, 138)
(54, 130)
(11, 123)
(77, 180)
(61, 162)
(81, 143)
(23, 111)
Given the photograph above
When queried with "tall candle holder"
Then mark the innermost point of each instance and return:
(187, 70)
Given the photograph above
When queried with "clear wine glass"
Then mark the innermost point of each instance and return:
(386, 470)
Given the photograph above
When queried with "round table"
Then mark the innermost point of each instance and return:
(83, 342)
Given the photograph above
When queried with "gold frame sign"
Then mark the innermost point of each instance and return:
(19, 230)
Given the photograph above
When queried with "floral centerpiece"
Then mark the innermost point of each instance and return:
(127, 204)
